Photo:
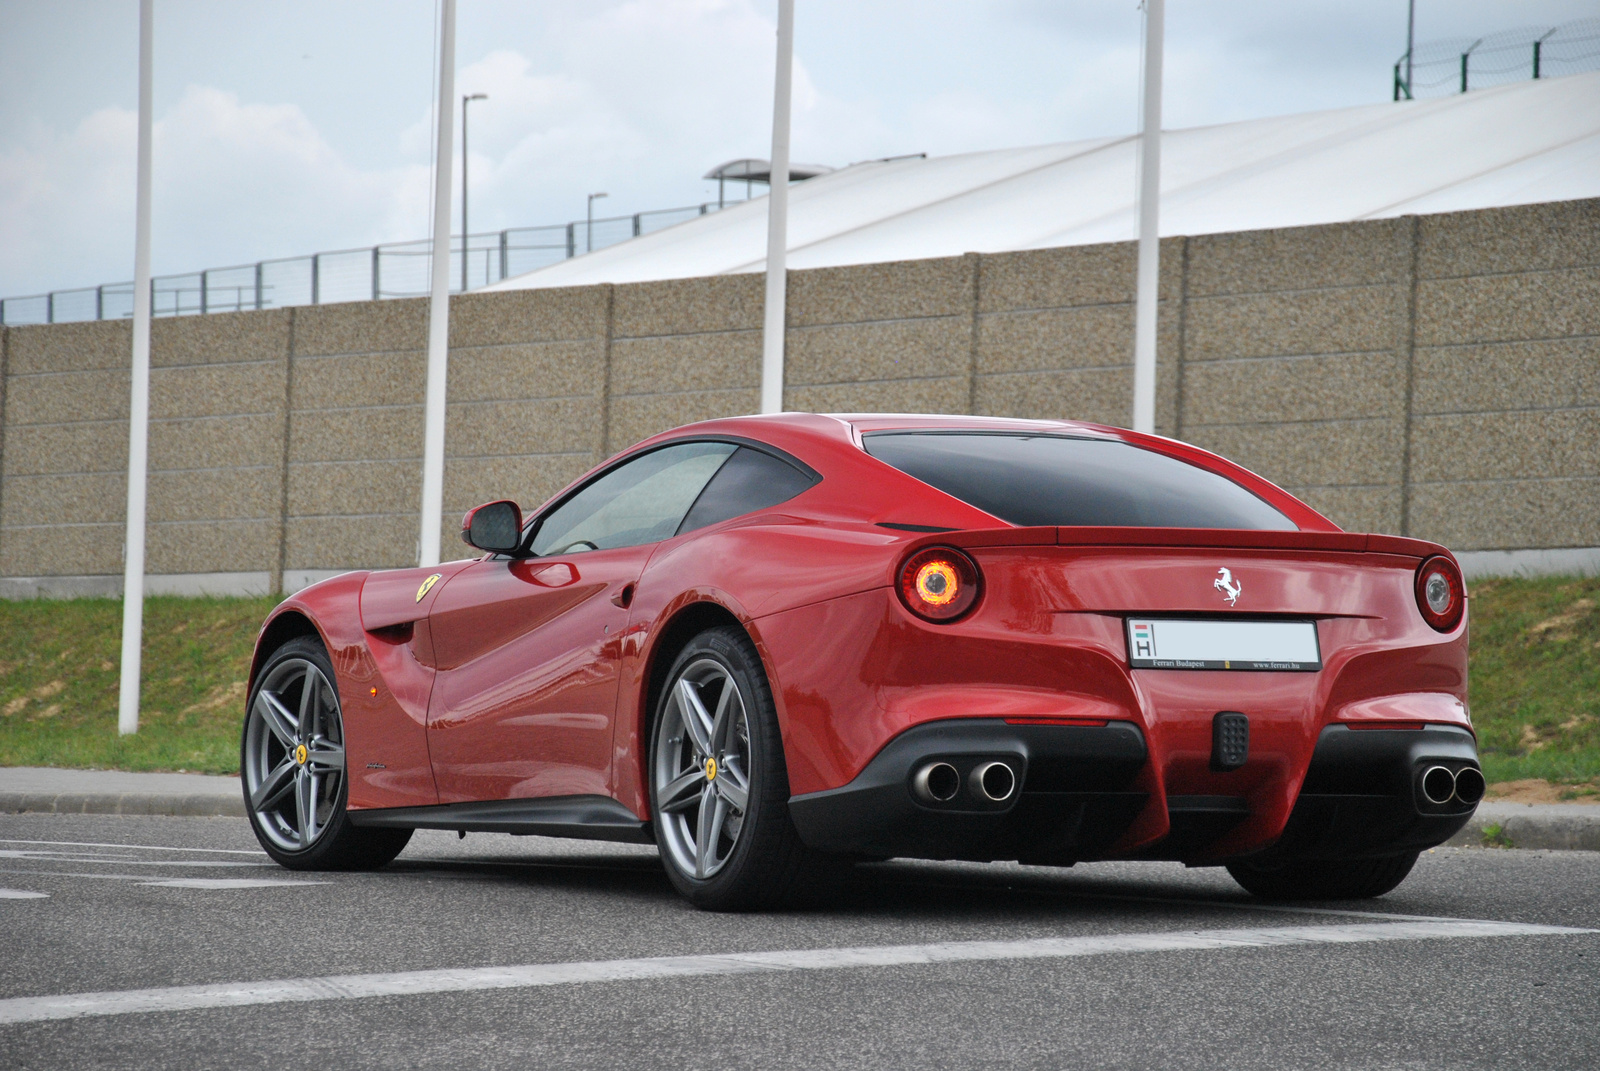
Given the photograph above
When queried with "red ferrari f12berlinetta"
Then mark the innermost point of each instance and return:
(773, 645)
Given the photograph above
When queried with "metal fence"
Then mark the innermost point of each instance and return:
(392, 270)
(1456, 65)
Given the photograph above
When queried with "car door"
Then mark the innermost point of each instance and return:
(528, 648)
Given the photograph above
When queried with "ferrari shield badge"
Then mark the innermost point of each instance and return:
(427, 585)
(1224, 583)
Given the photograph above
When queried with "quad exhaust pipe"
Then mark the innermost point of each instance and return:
(994, 782)
(990, 782)
(937, 782)
(1441, 785)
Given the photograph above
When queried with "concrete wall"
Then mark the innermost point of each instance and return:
(1436, 376)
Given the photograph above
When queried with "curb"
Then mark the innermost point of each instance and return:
(186, 806)
(1562, 827)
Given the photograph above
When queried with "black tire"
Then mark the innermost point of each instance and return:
(1344, 879)
(767, 864)
(334, 843)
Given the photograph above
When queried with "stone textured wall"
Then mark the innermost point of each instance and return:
(1436, 375)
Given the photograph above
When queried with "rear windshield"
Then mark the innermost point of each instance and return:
(1057, 480)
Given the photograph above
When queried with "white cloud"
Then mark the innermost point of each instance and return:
(63, 198)
(232, 182)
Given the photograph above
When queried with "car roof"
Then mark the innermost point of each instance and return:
(827, 440)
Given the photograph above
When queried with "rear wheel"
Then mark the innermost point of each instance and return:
(292, 763)
(1344, 879)
(718, 786)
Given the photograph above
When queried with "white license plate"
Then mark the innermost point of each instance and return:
(1174, 643)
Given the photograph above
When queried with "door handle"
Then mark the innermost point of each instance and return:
(624, 597)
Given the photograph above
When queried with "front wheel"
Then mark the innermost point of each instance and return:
(1344, 879)
(292, 765)
(718, 785)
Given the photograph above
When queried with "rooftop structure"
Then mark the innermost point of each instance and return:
(1522, 143)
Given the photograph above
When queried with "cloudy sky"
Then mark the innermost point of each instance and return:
(288, 126)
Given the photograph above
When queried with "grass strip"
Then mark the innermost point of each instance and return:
(59, 677)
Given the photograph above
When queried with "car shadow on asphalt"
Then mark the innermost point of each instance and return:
(900, 889)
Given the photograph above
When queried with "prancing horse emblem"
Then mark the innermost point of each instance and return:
(1229, 587)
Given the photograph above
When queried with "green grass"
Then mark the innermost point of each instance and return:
(1536, 678)
(1535, 681)
(58, 683)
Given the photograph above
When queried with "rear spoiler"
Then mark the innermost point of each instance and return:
(1348, 542)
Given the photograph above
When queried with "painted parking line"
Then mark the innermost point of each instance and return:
(130, 847)
(176, 883)
(228, 883)
(412, 983)
(123, 860)
(22, 894)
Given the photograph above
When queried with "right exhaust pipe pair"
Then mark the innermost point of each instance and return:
(1441, 785)
(939, 782)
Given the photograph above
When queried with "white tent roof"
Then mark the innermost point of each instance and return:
(1515, 144)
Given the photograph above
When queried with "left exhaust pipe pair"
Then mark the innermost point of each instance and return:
(939, 782)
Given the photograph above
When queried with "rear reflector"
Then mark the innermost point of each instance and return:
(1095, 722)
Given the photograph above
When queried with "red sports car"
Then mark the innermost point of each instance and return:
(771, 644)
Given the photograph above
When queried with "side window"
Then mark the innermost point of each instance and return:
(643, 501)
(750, 480)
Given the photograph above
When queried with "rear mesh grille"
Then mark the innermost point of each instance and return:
(1230, 740)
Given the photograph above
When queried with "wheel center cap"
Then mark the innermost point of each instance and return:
(711, 769)
(301, 754)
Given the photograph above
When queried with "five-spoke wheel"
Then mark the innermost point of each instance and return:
(718, 786)
(293, 763)
(294, 754)
(701, 770)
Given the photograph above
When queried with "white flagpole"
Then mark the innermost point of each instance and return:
(138, 403)
(778, 220)
(439, 300)
(1149, 196)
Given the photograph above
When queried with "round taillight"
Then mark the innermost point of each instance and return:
(1441, 596)
(939, 584)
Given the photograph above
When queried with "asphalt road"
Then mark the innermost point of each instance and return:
(1104, 965)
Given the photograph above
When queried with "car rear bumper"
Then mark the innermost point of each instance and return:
(1079, 788)
(1073, 794)
(1362, 794)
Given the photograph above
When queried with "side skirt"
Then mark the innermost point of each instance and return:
(583, 817)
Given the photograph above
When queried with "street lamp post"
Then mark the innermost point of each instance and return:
(1411, 35)
(1146, 288)
(774, 316)
(438, 299)
(588, 229)
(138, 399)
(465, 233)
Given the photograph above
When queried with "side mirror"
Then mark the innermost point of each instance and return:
(494, 526)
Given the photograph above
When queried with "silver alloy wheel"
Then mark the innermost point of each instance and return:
(294, 754)
(701, 768)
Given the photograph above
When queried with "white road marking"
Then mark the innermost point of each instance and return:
(150, 879)
(123, 860)
(22, 894)
(135, 847)
(411, 983)
(228, 883)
